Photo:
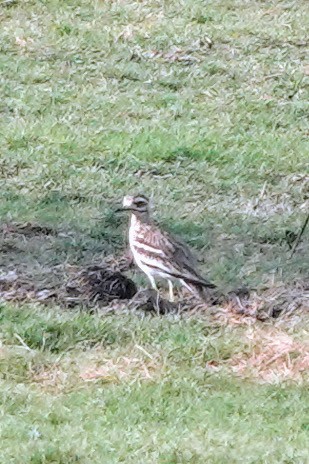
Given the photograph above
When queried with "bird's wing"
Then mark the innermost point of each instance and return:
(175, 253)
(187, 264)
(171, 246)
(185, 253)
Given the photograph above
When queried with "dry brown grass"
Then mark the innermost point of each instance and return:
(96, 365)
(53, 378)
(127, 368)
(273, 356)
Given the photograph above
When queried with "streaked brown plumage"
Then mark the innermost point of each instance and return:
(158, 253)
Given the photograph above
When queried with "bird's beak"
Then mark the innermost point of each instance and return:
(123, 208)
(127, 204)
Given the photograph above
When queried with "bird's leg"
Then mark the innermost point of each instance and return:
(154, 286)
(184, 283)
(170, 291)
(153, 283)
(193, 289)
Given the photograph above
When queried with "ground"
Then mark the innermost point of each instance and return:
(204, 107)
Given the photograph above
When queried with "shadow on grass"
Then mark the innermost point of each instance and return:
(235, 253)
(230, 252)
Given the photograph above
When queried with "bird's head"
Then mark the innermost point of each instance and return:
(138, 204)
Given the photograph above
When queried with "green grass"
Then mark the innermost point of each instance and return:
(89, 114)
(100, 99)
(179, 412)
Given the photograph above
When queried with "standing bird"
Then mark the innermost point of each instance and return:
(159, 254)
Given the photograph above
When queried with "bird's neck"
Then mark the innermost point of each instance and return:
(139, 218)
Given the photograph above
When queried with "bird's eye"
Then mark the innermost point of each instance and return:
(140, 204)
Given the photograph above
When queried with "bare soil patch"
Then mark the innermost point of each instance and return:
(105, 284)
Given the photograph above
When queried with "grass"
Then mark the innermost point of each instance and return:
(95, 105)
(100, 99)
(138, 390)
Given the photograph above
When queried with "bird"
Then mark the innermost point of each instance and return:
(158, 253)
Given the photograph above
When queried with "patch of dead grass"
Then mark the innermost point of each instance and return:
(51, 377)
(95, 366)
(274, 356)
(130, 367)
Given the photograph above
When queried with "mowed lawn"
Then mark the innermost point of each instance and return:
(104, 98)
